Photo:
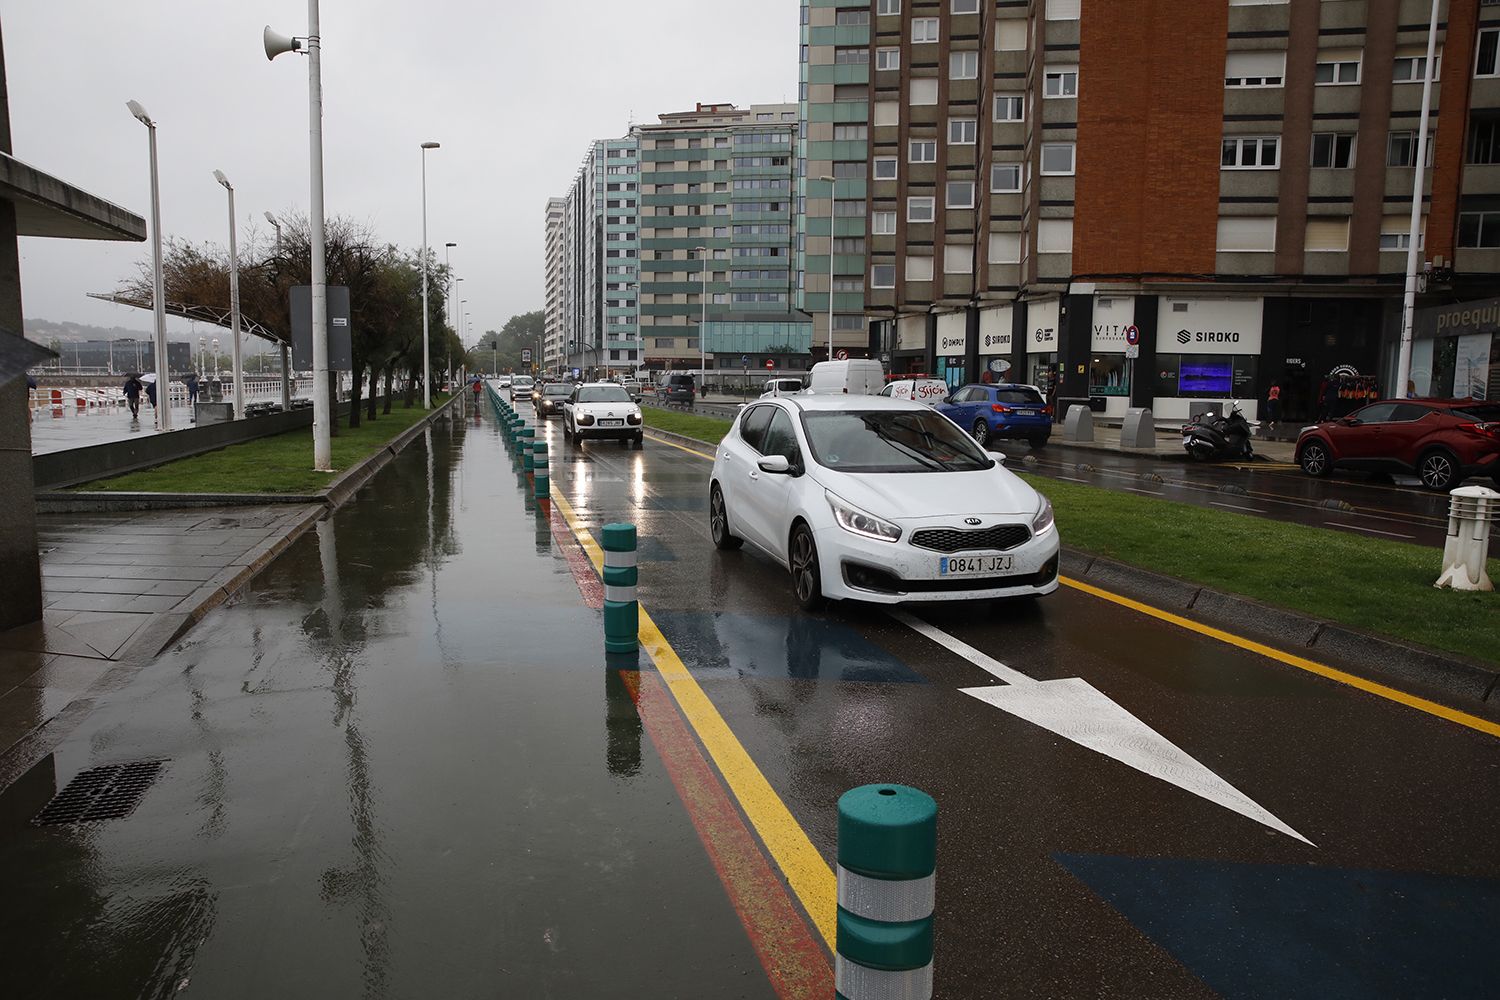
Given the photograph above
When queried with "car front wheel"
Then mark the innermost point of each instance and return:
(981, 432)
(1315, 459)
(1438, 471)
(807, 577)
(718, 521)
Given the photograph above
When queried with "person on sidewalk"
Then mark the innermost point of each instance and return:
(151, 393)
(1273, 404)
(192, 387)
(133, 396)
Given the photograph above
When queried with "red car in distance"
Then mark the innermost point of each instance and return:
(1442, 441)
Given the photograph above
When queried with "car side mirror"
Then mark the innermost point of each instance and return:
(998, 456)
(776, 465)
(1350, 421)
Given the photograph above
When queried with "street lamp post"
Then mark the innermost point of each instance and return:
(215, 343)
(274, 46)
(703, 316)
(158, 292)
(448, 299)
(234, 301)
(1414, 237)
(833, 203)
(426, 361)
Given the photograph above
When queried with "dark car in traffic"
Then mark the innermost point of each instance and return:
(550, 397)
(1441, 441)
(1007, 410)
(678, 389)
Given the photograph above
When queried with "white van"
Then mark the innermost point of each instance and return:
(781, 387)
(923, 390)
(860, 376)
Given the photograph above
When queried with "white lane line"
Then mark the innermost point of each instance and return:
(1071, 479)
(1235, 506)
(1077, 711)
(1373, 531)
(1149, 493)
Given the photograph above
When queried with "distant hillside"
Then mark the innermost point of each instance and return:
(44, 331)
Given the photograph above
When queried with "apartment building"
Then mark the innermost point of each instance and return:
(717, 243)
(1068, 192)
(599, 245)
(554, 353)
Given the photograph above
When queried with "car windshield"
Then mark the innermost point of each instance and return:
(557, 389)
(890, 441)
(522, 382)
(603, 394)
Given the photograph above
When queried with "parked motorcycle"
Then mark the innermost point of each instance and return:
(1212, 437)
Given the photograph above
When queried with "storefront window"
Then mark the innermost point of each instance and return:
(1043, 372)
(1206, 376)
(1109, 375)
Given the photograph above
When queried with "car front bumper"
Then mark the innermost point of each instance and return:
(628, 432)
(856, 568)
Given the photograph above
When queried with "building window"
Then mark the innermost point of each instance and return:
(922, 151)
(1479, 230)
(851, 131)
(883, 223)
(852, 17)
(965, 6)
(1411, 66)
(1005, 178)
(1057, 159)
(850, 169)
(1333, 149)
(885, 168)
(847, 56)
(962, 131)
(1486, 62)
(1061, 81)
(1005, 248)
(1332, 70)
(886, 113)
(1246, 234)
(887, 58)
(1251, 152)
(958, 258)
(1395, 232)
(1010, 107)
(1054, 236)
(888, 6)
(1401, 150)
(1484, 139)
(924, 91)
(960, 194)
(1328, 234)
(849, 245)
(924, 29)
(963, 65)
(918, 267)
(1010, 34)
(919, 209)
(1254, 69)
(883, 276)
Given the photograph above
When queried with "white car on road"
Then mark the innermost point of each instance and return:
(873, 499)
(521, 386)
(602, 410)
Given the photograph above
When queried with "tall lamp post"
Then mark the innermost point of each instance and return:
(234, 301)
(426, 361)
(1409, 293)
(275, 45)
(702, 253)
(284, 352)
(833, 204)
(158, 293)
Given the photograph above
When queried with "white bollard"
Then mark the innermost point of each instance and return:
(1468, 544)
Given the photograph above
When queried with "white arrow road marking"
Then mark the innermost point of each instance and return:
(1074, 709)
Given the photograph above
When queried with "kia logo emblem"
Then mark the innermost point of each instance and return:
(972, 520)
(1183, 336)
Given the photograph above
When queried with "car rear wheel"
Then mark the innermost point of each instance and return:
(807, 578)
(1038, 440)
(981, 432)
(1315, 459)
(1438, 471)
(718, 521)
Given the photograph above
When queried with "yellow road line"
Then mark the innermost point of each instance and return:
(1453, 715)
(1291, 659)
(805, 870)
(679, 447)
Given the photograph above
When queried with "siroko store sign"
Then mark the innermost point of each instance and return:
(1209, 326)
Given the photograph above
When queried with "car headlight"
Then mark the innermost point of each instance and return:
(1042, 521)
(633, 418)
(860, 522)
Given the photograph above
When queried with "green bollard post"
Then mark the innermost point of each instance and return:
(621, 612)
(887, 865)
(543, 486)
(528, 436)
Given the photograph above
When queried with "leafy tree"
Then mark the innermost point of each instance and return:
(503, 349)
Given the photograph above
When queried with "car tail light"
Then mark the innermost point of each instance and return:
(1047, 410)
(1490, 430)
(999, 408)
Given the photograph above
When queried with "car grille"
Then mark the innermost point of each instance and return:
(1001, 537)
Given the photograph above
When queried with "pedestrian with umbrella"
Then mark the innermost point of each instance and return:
(149, 380)
(133, 386)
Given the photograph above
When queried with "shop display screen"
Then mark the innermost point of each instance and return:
(1196, 377)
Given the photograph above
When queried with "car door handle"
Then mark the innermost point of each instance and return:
(755, 475)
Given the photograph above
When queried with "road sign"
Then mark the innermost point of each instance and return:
(1132, 351)
(770, 364)
(842, 355)
(340, 348)
(744, 361)
(526, 356)
(1132, 335)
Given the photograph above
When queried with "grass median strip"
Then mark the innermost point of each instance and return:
(281, 463)
(1367, 583)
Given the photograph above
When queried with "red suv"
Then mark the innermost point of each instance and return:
(1443, 441)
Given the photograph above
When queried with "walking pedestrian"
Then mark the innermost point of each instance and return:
(133, 395)
(151, 393)
(192, 387)
(1273, 404)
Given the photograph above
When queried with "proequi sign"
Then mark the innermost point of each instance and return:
(1208, 326)
(1459, 319)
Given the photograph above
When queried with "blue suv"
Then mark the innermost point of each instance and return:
(1000, 411)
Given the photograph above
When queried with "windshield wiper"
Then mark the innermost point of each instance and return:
(929, 461)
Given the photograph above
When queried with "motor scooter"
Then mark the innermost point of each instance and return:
(1212, 437)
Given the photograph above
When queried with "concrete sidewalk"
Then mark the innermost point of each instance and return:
(119, 587)
(1168, 445)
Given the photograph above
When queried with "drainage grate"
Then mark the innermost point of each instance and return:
(109, 791)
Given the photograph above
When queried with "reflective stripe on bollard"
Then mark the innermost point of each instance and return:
(542, 489)
(621, 612)
(528, 435)
(887, 866)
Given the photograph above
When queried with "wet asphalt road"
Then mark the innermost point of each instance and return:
(397, 767)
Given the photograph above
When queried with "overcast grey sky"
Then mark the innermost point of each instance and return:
(513, 91)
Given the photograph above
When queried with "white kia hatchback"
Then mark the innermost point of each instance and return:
(873, 499)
